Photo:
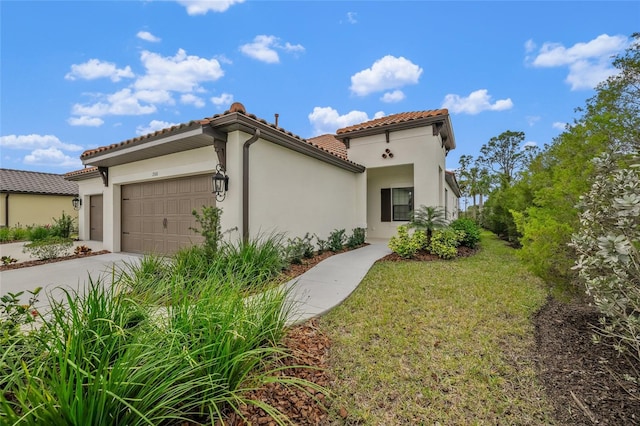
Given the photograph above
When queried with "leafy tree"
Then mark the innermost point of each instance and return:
(556, 178)
(504, 156)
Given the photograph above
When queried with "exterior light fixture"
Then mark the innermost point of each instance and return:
(77, 203)
(220, 183)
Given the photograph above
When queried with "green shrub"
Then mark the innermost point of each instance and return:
(323, 245)
(19, 234)
(337, 239)
(210, 227)
(608, 244)
(39, 232)
(5, 235)
(444, 243)
(471, 231)
(406, 245)
(298, 249)
(63, 226)
(48, 248)
(357, 238)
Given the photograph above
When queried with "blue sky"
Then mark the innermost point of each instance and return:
(78, 75)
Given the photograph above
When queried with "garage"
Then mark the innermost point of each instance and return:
(157, 216)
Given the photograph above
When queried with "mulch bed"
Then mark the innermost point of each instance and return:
(42, 262)
(576, 373)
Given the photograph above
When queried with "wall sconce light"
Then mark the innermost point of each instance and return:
(220, 183)
(77, 203)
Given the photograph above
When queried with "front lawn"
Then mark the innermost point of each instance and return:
(439, 342)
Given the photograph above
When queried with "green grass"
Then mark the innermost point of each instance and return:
(444, 342)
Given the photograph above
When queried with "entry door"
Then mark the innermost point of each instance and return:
(95, 218)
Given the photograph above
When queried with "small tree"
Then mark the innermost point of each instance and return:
(210, 227)
(428, 219)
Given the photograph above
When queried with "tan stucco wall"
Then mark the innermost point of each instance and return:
(290, 192)
(418, 160)
(30, 209)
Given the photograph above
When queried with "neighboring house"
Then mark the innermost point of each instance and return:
(34, 198)
(138, 195)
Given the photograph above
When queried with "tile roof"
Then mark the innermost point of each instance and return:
(25, 182)
(402, 117)
(80, 173)
(237, 107)
(329, 143)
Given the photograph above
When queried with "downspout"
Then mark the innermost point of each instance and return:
(245, 184)
(6, 210)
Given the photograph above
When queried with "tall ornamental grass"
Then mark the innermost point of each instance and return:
(109, 357)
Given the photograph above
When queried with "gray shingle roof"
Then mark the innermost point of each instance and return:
(24, 182)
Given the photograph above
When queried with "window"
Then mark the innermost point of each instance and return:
(397, 204)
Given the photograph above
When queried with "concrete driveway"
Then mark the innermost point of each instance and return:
(52, 277)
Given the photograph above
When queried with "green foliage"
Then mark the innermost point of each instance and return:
(39, 232)
(406, 245)
(210, 227)
(471, 231)
(19, 234)
(5, 235)
(504, 156)
(102, 357)
(445, 242)
(608, 244)
(323, 245)
(336, 241)
(8, 260)
(14, 314)
(357, 238)
(299, 248)
(48, 248)
(428, 219)
(63, 226)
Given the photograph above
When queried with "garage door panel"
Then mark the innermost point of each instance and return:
(145, 206)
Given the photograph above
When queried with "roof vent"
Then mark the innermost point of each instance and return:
(237, 107)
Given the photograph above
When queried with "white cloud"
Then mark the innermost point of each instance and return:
(589, 63)
(351, 17)
(529, 46)
(36, 141)
(95, 68)
(386, 73)
(532, 119)
(263, 48)
(558, 125)
(201, 7)
(85, 121)
(395, 96)
(222, 100)
(180, 73)
(147, 36)
(52, 157)
(475, 103)
(190, 99)
(327, 119)
(153, 126)
(123, 102)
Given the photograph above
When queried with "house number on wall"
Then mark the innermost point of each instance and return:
(153, 174)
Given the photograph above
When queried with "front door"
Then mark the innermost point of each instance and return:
(95, 218)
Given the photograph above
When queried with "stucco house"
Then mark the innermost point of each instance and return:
(138, 195)
(34, 198)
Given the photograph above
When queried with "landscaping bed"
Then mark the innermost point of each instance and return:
(37, 262)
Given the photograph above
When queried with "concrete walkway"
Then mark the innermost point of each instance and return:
(313, 293)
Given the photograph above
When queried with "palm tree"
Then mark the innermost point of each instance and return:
(427, 219)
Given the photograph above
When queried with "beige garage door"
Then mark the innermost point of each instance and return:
(156, 216)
